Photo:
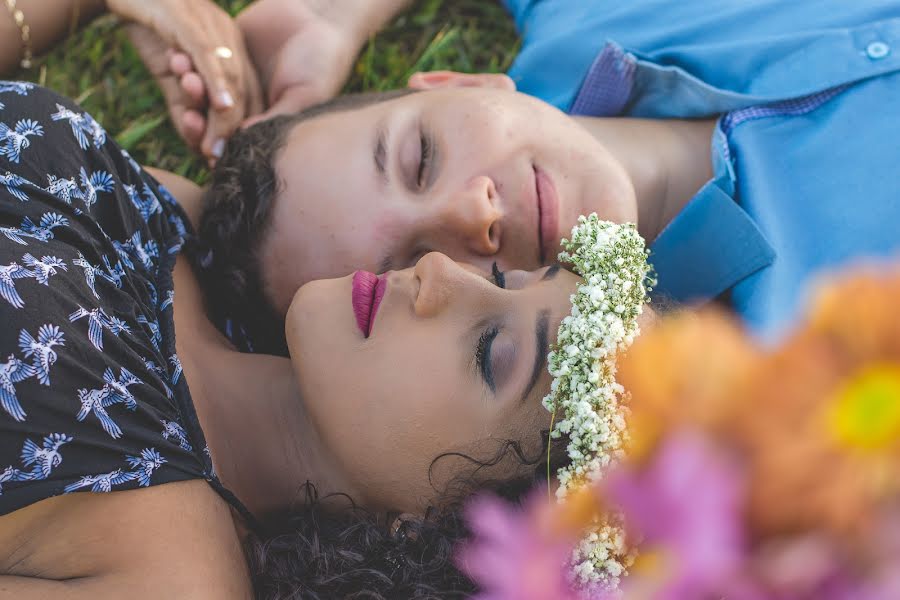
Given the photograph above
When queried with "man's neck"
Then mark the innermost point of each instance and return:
(668, 162)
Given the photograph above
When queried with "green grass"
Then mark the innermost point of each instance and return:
(97, 67)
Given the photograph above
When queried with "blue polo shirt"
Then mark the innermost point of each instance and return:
(806, 152)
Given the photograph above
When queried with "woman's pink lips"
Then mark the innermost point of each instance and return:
(367, 293)
(548, 215)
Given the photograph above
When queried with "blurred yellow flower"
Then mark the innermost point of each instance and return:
(865, 413)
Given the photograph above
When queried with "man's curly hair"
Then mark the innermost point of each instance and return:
(237, 213)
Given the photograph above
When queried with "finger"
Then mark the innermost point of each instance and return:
(221, 124)
(219, 75)
(194, 89)
(180, 63)
(177, 104)
(193, 126)
(254, 97)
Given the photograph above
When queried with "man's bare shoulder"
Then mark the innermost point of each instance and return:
(176, 540)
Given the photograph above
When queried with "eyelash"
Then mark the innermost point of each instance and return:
(483, 348)
(483, 355)
(499, 276)
(427, 150)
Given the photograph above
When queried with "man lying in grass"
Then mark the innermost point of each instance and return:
(746, 152)
(749, 157)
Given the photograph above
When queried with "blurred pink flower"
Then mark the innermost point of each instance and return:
(685, 507)
(514, 554)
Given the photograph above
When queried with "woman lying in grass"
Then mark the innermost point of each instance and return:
(404, 393)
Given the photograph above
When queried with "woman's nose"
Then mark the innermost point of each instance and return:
(473, 217)
(435, 274)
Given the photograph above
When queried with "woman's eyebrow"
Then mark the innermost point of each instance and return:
(541, 325)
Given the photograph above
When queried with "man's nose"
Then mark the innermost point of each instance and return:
(472, 215)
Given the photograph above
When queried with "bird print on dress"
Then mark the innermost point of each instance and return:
(45, 267)
(146, 201)
(42, 232)
(91, 185)
(40, 349)
(46, 358)
(8, 274)
(98, 320)
(90, 273)
(174, 431)
(84, 127)
(131, 162)
(12, 183)
(18, 87)
(176, 363)
(178, 223)
(11, 473)
(145, 464)
(43, 459)
(169, 301)
(101, 483)
(157, 370)
(13, 371)
(114, 391)
(64, 189)
(212, 467)
(153, 327)
(118, 388)
(92, 402)
(142, 468)
(13, 140)
(113, 274)
(135, 248)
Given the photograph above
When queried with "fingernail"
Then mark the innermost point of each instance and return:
(218, 148)
(226, 99)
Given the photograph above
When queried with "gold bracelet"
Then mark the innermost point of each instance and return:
(25, 32)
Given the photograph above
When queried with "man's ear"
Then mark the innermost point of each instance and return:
(431, 80)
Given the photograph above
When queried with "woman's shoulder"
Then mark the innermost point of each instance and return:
(173, 540)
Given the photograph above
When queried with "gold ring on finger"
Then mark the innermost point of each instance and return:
(223, 52)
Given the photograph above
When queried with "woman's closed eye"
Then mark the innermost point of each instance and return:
(495, 357)
(495, 352)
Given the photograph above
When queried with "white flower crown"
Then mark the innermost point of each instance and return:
(584, 399)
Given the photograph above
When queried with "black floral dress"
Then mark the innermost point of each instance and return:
(92, 396)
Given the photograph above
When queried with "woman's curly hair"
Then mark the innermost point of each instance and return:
(314, 553)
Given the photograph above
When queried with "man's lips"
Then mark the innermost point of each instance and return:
(368, 290)
(548, 215)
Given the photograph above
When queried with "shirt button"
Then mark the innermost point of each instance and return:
(877, 50)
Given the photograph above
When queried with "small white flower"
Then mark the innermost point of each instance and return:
(584, 394)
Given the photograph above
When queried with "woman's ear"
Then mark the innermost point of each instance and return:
(431, 80)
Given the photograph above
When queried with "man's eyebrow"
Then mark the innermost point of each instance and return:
(385, 264)
(551, 272)
(541, 325)
(380, 152)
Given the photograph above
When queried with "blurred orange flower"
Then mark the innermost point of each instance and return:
(816, 422)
